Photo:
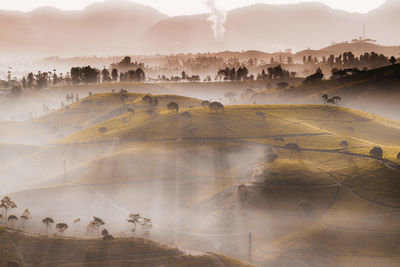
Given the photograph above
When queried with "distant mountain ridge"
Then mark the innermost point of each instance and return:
(123, 27)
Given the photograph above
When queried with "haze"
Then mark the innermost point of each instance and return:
(177, 7)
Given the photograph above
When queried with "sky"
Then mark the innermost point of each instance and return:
(186, 7)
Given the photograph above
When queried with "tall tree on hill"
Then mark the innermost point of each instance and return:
(97, 222)
(26, 215)
(134, 219)
(5, 204)
(48, 221)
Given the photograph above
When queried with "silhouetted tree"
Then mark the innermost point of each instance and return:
(105, 74)
(134, 219)
(61, 227)
(26, 215)
(392, 60)
(97, 222)
(114, 74)
(5, 204)
(317, 76)
(48, 222)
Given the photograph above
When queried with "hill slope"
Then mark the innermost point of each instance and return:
(29, 250)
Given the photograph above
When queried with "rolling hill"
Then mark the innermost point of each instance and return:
(300, 178)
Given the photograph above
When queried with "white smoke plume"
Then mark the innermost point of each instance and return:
(218, 19)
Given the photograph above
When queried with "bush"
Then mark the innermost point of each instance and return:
(292, 146)
(376, 152)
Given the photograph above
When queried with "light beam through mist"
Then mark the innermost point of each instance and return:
(218, 19)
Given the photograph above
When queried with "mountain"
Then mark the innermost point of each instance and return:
(122, 27)
(111, 27)
(276, 27)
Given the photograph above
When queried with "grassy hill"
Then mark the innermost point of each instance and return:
(375, 91)
(313, 126)
(298, 177)
(29, 250)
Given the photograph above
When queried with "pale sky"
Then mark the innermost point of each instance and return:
(186, 7)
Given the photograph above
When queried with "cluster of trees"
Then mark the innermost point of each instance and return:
(317, 76)
(275, 73)
(231, 74)
(92, 229)
(185, 77)
(5, 204)
(348, 59)
(137, 219)
(126, 64)
(131, 75)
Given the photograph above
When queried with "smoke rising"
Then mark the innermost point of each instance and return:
(218, 19)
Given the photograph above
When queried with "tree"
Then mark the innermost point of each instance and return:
(114, 75)
(61, 227)
(30, 80)
(26, 215)
(105, 74)
(49, 223)
(134, 219)
(205, 103)
(12, 219)
(104, 232)
(103, 130)
(5, 204)
(376, 152)
(146, 225)
(76, 222)
(173, 106)
(96, 223)
(392, 60)
(75, 75)
(215, 106)
(398, 156)
(318, 75)
(140, 75)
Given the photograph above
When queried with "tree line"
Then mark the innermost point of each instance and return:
(92, 228)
